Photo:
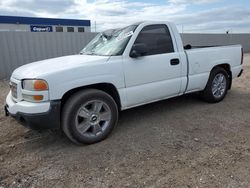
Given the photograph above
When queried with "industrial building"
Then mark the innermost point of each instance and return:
(34, 24)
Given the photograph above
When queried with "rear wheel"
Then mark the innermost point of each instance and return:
(89, 116)
(217, 86)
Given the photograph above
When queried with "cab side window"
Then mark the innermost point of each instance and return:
(157, 39)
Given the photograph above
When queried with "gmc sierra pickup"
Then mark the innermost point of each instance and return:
(119, 69)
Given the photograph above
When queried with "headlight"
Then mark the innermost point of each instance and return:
(35, 90)
(35, 85)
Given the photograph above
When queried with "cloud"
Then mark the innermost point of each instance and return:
(192, 1)
(216, 20)
(42, 5)
(118, 13)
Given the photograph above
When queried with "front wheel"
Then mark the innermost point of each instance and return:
(217, 86)
(89, 116)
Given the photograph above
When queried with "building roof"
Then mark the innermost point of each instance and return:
(42, 21)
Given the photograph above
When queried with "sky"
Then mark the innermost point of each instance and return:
(190, 16)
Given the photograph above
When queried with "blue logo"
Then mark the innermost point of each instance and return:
(38, 28)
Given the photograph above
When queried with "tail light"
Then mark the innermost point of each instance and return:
(242, 56)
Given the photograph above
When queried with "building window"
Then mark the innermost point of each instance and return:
(70, 29)
(59, 29)
(80, 29)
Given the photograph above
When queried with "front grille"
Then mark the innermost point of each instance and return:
(13, 89)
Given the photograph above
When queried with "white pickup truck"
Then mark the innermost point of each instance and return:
(119, 69)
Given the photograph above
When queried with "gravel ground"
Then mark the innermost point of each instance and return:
(181, 142)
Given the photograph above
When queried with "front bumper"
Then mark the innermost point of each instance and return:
(32, 115)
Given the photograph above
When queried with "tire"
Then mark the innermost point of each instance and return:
(209, 94)
(89, 116)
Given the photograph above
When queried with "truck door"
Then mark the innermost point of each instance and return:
(156, 74)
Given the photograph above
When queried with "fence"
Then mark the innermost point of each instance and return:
(19, 48)
(217, 39)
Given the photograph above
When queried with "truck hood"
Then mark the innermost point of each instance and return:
(49, 66)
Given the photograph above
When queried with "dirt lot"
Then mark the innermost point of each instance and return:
(182, 142)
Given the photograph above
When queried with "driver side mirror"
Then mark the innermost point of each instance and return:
(138, 50)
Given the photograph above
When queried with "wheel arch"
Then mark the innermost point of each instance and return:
(105, 87)
(227, 68)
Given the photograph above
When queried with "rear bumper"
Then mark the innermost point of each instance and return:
(49, 119)
(236, 71)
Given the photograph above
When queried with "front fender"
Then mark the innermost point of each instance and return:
(61, 88)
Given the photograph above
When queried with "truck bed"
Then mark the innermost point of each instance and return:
(202, 60)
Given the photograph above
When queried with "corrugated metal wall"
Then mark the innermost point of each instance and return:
(217, 39)
(19, 48)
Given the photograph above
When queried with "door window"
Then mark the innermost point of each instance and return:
(157, 39)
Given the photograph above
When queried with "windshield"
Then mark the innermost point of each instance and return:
(110, 43)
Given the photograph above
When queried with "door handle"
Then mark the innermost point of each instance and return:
(175, 61)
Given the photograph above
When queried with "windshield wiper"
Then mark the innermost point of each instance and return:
(87, 53)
